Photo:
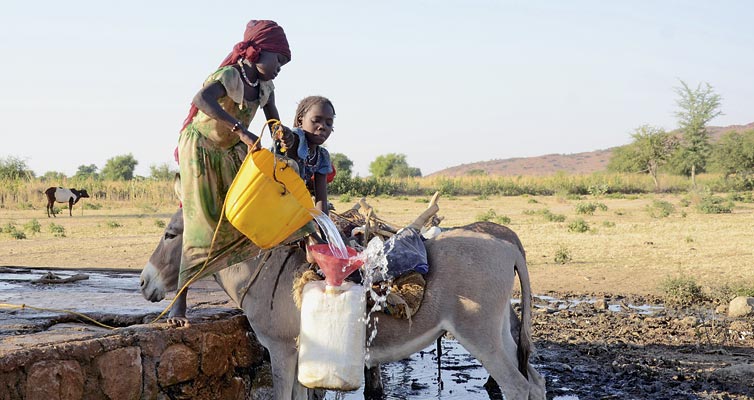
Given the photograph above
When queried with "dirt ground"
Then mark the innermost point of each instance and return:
(624, 353)
(584, 350)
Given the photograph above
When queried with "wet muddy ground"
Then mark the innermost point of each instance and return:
(618, 351)
(589, 346)
(596, 346)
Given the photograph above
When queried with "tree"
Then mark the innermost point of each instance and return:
(120, 168)
(342, 164)
(394, 165)
(697, 107)
(53, 176)
(651, 148)
(15, 168)
(161, 172)
(86, 171)
(734, 154)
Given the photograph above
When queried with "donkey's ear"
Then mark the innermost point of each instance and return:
(177, 185)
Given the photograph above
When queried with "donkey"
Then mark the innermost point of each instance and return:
(63, 195)
(475, 309)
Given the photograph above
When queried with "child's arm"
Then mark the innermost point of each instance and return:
(320, 193)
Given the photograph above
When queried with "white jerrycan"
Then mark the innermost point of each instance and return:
(332, 338)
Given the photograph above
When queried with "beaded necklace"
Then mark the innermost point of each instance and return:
(246, 78)
(311, 157)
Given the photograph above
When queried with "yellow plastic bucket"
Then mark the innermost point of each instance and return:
(267, 200)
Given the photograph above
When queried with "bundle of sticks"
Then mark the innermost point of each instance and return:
(360, 222)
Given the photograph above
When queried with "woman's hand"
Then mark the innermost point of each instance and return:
(250, 139)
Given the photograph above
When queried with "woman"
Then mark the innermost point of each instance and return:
(215, 139)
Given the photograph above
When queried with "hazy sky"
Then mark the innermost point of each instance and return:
(445, 83)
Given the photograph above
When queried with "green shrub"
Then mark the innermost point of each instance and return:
(33, 226)
(721, 294)
(57, 230)
(608, 224)
(491, 215)
(562, 255)
(159, 223)
(10, 227)
(599, 189)
(486, 216)
(589, 208)
(113, 224)
(578, 225)
(532, 201)
(682, 291)
(715, 205)
(503, 220)
(18, 235)
(743, 197)
(660, 209)
(684, 202)
(553, 217)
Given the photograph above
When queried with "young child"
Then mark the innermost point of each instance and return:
(312, 126)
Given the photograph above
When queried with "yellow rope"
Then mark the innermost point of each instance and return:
(22, 306)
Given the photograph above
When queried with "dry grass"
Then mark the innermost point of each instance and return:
(625, 251)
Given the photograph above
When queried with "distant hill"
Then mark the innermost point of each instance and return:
(577, 163)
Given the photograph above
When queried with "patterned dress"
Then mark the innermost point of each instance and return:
(210, 155)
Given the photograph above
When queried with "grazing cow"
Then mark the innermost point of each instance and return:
(63, 195)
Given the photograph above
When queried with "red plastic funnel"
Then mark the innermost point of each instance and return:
(335, 269)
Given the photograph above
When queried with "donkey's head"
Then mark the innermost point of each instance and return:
(160, 275)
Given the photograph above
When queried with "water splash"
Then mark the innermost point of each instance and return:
(373, 271)
(334, 240)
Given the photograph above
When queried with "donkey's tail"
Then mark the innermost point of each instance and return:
(524, 334)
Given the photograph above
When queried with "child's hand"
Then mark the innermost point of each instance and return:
(285, 136)
(250, 139)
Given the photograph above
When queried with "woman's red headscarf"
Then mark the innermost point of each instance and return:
(260, 35)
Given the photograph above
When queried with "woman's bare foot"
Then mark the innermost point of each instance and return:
(177, 314)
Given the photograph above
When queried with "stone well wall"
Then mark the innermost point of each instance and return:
(211, 359)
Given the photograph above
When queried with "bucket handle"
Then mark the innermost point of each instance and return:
(274, 121)
(193, 278)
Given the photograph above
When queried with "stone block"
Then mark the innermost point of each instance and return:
(120, 373)
(54, 379)
(178, 363)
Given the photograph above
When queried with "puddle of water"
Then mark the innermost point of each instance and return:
(416, 377)
(103, 292)
(559, 304)
(647, 309)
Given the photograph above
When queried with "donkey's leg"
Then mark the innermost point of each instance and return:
(283, 360)
(537, 389)
(490, 342)
(373, 388)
